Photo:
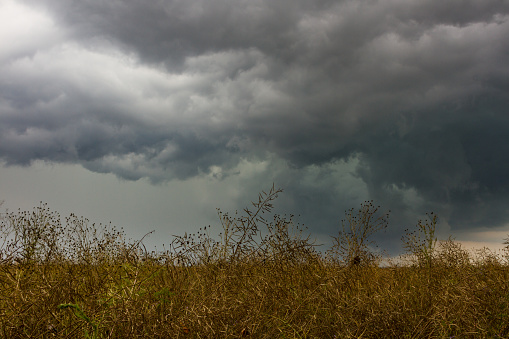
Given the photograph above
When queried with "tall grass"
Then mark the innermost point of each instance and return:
(261, 278)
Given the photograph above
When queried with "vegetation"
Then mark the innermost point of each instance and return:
(261, 279)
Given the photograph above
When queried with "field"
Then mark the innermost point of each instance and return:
(260, 279)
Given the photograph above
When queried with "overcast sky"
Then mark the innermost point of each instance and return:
(153, 113)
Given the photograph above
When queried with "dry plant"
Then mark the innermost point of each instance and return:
(262, 278)
(421, 242)
(246, 237)
(352, 246)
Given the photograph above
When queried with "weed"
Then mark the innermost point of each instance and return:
(352, 245)
(78, 312)
(421, 242)
(261, 278)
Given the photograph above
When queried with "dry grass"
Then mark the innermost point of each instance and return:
(82, 281)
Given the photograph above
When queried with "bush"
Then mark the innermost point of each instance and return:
(352, 246)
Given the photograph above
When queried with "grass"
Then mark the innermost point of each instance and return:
(261, 279)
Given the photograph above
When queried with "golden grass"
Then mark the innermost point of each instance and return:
(117, 290)
(312, 300)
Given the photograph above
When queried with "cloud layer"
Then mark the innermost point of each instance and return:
(410, 97)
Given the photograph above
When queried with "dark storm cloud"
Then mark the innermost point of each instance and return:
(165, 30)
(415, 91)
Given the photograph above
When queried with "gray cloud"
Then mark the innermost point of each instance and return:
(414, 93)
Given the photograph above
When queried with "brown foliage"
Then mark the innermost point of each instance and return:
(86, 281)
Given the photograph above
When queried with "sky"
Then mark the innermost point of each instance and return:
(152, 114)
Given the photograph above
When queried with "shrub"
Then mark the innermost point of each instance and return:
(352, 245)
(421, 242)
